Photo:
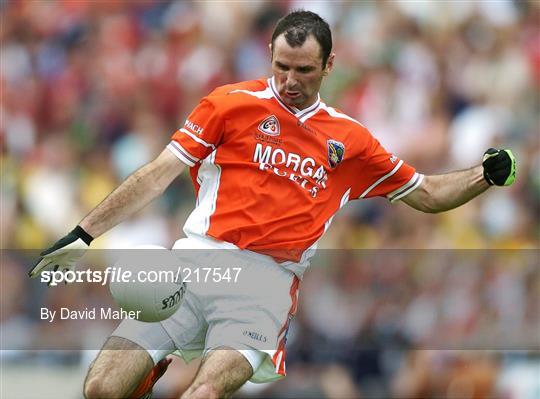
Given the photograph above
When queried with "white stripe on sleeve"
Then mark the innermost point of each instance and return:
(182, 154)
(407, 188)
(386, 176)
(197, 139)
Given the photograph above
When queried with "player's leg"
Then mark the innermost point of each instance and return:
(222, 372)
(131, 361)
(117, 370)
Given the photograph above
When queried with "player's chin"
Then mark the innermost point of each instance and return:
(295, 101)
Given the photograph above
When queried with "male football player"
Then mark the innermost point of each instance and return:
(271, 164)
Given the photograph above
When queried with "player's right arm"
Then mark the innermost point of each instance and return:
(137, 191)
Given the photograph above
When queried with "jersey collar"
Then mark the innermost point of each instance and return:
(299, 113)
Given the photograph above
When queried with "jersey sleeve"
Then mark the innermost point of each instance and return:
(384, 174)
(201, 134)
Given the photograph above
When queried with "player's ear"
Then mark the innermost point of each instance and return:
(271, 52)
(329, 64)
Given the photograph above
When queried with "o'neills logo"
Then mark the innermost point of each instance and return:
(270, 126)
(255, 335)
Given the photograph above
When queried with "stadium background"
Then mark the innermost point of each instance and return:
(91, 90)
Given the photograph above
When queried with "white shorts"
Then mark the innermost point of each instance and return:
(251, 314)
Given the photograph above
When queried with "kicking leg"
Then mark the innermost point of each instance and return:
(125, 365)
(222, 372)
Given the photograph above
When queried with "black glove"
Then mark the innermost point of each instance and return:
(499, 167)
(64, 253)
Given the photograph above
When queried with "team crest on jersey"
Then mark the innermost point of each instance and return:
(336, 150)
(270, 126)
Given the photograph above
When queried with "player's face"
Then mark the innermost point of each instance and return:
(298, 71)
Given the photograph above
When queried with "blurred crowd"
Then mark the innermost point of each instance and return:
(92, 90)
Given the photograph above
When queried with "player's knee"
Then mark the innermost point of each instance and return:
(204, 391)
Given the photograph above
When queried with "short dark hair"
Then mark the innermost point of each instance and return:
(298, 25)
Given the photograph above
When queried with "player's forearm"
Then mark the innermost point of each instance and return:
(137, 191)
(439, 193)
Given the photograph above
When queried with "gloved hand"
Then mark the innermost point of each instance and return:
(64, 253)
(499, 167)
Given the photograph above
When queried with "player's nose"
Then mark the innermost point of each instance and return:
(291, 82)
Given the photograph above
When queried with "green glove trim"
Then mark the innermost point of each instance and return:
(512, 176)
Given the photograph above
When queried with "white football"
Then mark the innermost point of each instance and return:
(155, 288)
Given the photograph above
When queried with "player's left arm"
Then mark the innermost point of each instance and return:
(439, 193)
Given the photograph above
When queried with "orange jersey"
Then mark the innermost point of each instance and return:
(269, 177)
